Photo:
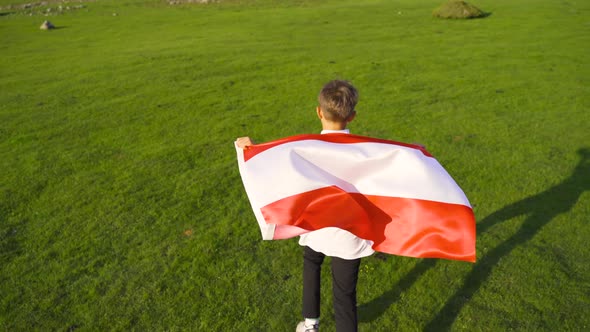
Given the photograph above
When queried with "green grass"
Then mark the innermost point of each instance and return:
(116, 139)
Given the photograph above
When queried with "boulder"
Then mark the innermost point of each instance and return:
(458, 9)
(47, 26)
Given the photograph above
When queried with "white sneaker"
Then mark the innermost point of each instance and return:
(302, 328)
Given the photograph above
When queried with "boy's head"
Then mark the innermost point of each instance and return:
(337, 100)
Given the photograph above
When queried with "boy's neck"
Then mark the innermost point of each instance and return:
(329, 125)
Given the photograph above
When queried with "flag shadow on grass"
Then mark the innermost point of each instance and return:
(540, 209)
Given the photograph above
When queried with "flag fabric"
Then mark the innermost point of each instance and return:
(394, 194)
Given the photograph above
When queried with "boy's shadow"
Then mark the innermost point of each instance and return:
(540, 210)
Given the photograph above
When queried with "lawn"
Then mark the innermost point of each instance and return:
(121, 206)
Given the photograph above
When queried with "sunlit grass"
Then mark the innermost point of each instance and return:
(121, 205)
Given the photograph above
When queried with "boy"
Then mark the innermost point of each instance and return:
(337, 101)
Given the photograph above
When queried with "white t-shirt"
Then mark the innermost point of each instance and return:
(336, 242)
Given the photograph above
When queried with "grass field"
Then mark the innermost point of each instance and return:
(121, 206)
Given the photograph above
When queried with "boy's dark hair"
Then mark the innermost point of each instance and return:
(338, 99)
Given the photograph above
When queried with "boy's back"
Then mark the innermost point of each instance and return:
(337, 101)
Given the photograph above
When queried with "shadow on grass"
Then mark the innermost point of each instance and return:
(372, 310)
(540, 209)
(482, 15)
(485, 14)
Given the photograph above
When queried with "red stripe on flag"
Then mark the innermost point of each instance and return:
(398, 226)
(253, 150)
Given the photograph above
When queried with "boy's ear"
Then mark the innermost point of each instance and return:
(351, 116)
(319, 112)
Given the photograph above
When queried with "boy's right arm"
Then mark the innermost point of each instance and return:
(244, 142)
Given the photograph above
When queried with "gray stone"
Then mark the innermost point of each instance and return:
(47, 26)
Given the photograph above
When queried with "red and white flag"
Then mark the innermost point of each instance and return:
(394, 194)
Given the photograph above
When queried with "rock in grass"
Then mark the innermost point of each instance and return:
(47, 26)
(458, 9)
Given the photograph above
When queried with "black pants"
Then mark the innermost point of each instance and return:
(344, 278)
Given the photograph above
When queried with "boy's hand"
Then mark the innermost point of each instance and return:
(244, 142)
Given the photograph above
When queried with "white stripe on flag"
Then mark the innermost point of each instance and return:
(368, 168)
